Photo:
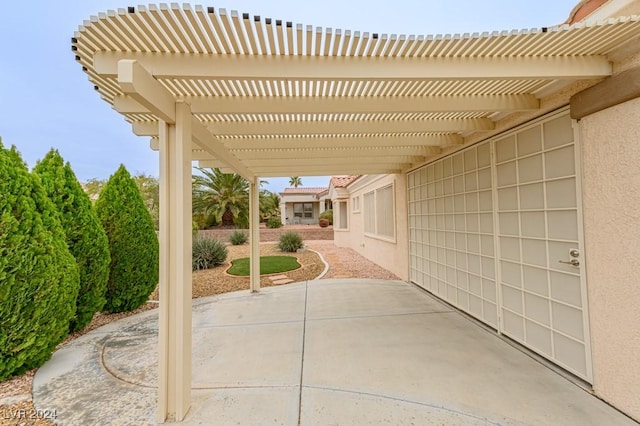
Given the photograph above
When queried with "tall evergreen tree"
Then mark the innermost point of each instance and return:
(38, 275)
(85, 237)
(133, 243)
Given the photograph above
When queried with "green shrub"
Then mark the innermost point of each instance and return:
(327, 214)
(237, 238)
(133, 243)
(207, 253)
(274, 222)
(85, 237)
(290, 241)
(38, 276)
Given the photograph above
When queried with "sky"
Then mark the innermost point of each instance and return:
(46, 101)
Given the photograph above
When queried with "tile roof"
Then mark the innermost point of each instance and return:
(302, 190)
(342, 181)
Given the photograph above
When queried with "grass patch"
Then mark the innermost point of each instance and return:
(268, 265)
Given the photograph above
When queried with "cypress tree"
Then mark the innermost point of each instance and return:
(133, 243)
(85, 237)
(38, 275)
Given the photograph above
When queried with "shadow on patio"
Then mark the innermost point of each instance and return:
(364, 352)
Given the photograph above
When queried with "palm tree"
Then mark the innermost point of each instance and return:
(225, 196)
(295, 181)
(269, 204)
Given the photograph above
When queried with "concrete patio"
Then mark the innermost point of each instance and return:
(329, 352)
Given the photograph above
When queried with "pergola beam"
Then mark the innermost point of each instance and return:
(300, 127)
(315, 153)
(140, 85)
(216, 148)
(266, 67)
(261, 162)
(341, 152)
(319, 170)
(332, 170)
(343, 141)
(345, 104)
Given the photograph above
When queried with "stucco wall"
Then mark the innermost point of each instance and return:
(392, 256)
(611, 200)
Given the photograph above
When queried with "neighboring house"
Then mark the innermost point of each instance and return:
(532, 228)
(302, 205)
(339, 196)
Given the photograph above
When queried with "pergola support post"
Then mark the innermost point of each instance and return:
(254, 231)
(174, 363)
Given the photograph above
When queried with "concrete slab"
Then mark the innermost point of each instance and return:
(248, 406)
(366, 352)
(337, 407)
(268, 306)
(437, 359)
(333, 299)
(277, 277)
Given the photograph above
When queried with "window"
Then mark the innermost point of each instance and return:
(369, 213)
(355, 205)
(303, 210)
(384, 212)
(379, 213)
(341, 223)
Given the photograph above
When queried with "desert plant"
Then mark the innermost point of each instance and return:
(237, 238)
(207, 253)
(133, 243)
(225, 196)
(327, 214)
(85, 237)
(274, 222)
(290, 241)
(38, 275)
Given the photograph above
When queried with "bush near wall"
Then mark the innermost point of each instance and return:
(328, 215)
(133, 243)
(238, 238)
(85, 237)
(290, 241)
(274, 222)
(38, 275)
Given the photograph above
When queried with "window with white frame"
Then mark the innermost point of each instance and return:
(379, 212)
(385, 226)
(369, 205)
(341, 208)
(303, 210)
(355, 205)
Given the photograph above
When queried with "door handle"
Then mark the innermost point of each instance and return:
(572, 262)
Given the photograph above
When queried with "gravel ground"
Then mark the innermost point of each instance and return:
(16, 405)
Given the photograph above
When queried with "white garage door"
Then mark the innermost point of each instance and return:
(493, 231)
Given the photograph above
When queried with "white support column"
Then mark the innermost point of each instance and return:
(254, 231)
(174, 363)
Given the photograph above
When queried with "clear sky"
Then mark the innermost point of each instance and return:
(46, 100)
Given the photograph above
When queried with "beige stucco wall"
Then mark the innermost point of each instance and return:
(611, 200)
(393, 256)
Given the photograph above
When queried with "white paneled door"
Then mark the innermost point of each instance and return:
(496, 231)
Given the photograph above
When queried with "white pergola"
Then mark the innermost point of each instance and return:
(265, 98)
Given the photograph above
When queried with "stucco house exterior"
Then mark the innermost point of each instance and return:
(530, 228)
(498, 172)
(302, 205)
